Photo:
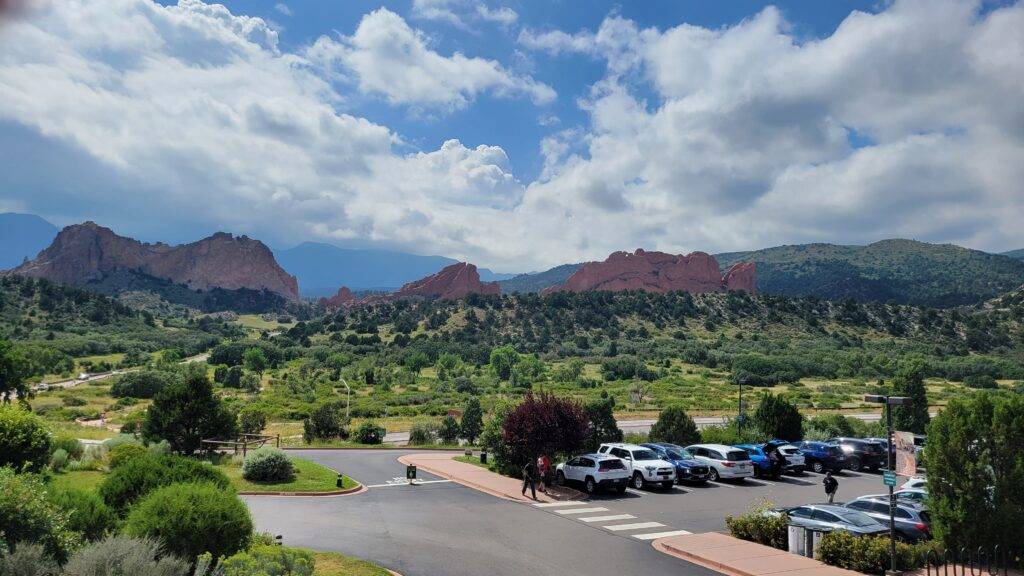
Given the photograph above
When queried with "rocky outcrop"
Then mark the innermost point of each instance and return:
(451, 283)
(85, 252)
(342, 299)
(696, 272)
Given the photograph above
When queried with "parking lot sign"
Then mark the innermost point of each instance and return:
(889, 478)
(410, 472)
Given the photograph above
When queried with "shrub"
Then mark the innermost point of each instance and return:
(472, 420)
(26, 515)
(421, 434)
(69, 444)
(324, 423)
(759, 526)
(370, 433)
(730, 434)
(123, 555)
(268, 464)
(141, 384)
(191, 519)
(58, 460)
(138, 476)
(675, 426)
(252, 420)
(448, 433)
(125, 452)
(88, 514)
(869, 554)
(270, 560)
(24, 441)
(983, 381)
(28, 560)
(120, 439)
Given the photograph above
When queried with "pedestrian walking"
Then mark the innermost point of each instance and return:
(543, 469)
(530, 478)
(831, 486)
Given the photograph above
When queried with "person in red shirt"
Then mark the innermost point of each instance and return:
(543, 468)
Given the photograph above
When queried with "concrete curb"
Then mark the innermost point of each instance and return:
(368, 447)
(461, 481)
(347, 492)
(694, 559)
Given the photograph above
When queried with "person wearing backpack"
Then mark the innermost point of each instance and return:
(831, 486)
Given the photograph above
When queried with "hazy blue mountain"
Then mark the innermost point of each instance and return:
(904, 271)
(323, 268)
(1018, 254)
(537, 281)
(23, 236)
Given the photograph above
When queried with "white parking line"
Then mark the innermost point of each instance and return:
(761, 482)
(636, 526)
(581, 510)
(681, 489)
(406, 483)
(656, 535)
(852, 473)
(607, 518)
(634, 492)
(556, 504)
(721, 484)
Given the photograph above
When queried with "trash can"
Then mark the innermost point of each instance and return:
(797, 540)
(483, 457)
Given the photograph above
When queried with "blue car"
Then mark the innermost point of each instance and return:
(762, 465)
(688, 468)
(822, 457)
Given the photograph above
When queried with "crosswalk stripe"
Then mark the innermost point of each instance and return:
(581, 510)
(607, 518)
(636, 526)
(656, 535)
(556, 504)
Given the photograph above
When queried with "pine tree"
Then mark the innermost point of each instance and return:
(909, 382)
(777, 418)
(675, 426)
(449, 431)
(472, 420)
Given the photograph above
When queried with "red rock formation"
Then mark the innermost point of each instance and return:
(84, 252)
(451, 283)
(742, 276)
(696, 272)
(343, 299)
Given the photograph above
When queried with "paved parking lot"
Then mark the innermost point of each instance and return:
(441, 527)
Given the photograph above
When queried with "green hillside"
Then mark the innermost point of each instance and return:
(1018, 254)
(537, 281)
(903, 271)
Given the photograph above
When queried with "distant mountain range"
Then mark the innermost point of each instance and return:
(23, 236)
(1018, 254)
(323, 268)
(537, 281)
(904, 271)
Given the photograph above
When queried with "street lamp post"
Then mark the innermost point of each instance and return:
(348, 402)
(889, 402)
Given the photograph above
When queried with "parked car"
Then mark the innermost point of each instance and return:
(915, 482)
(911, 521)
(724, 461)
(644, 465)
(829, 517)
(916, 496)
(822, 457)
(795, 460)
(861, 454)
(595, 472)
(688, 468)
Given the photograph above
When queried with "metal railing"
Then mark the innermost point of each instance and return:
(981, 561)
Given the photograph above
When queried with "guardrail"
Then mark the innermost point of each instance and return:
(981, 561)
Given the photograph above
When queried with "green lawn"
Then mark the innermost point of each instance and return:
(309, 477)
(334, 564)
(474, 460)
(88, 480)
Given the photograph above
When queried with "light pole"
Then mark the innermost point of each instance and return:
(889, 402)
(348, 402)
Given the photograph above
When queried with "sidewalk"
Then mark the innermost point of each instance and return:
(735, 557)
(470, 475)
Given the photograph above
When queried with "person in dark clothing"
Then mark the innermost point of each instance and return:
(831, 486)
(530, 478)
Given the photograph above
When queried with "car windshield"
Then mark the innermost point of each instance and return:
(736, 455)
(673, 455)
(644, 455)
(858, 518)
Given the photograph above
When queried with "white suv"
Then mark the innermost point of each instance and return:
(725, 461)
(644, 465)
(594, 471)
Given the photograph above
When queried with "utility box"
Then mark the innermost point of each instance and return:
(797, 540)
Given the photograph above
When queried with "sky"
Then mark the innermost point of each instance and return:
(519, 135)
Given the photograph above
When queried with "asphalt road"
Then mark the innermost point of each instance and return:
(441, 528)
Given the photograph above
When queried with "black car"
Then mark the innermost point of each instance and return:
(861, 454)
(912, 521)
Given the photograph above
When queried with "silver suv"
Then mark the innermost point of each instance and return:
(644, 465)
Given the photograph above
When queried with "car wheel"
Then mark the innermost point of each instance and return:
(713, 475)
(621, 489)
(855, 464)
(638, 481)
(560, 478)
(818, 467)
(799, 470)
(589, 485)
